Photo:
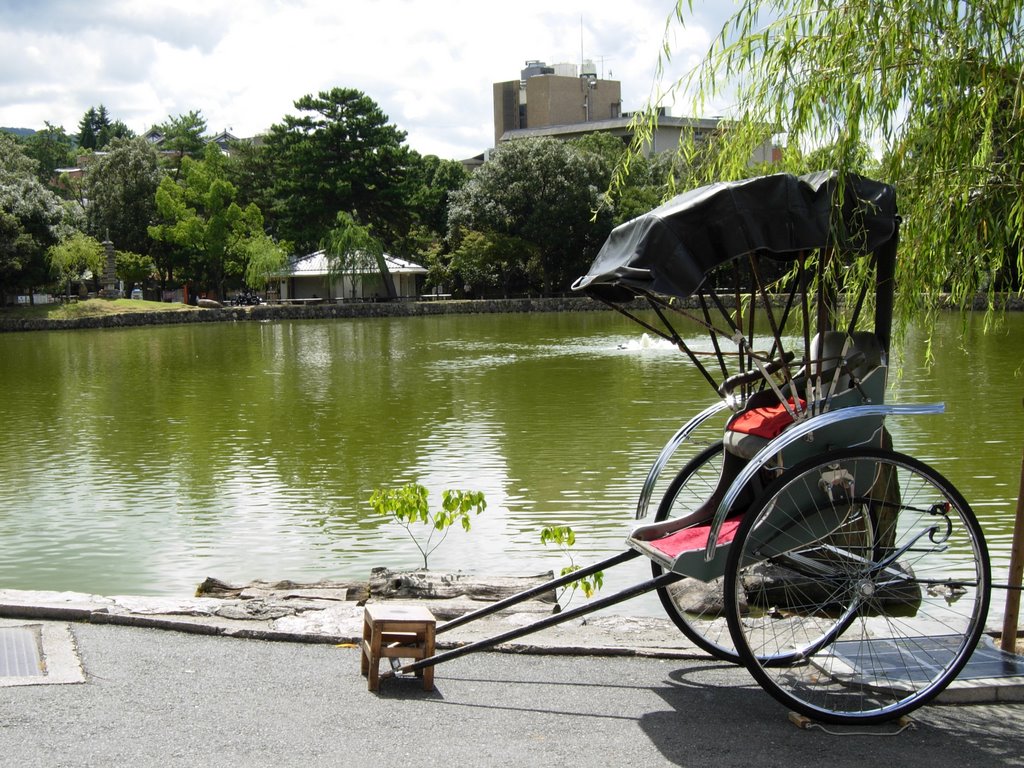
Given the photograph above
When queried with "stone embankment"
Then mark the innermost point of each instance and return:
(345, 310)
(332, 612)
(267, 312)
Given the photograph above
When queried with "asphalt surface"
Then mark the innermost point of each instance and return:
(160, 698)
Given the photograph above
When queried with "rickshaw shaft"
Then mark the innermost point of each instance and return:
(540, 589)
(558, 618)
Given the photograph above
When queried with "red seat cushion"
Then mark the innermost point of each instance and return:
(767, 422)
(694, 538)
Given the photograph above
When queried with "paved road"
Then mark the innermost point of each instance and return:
(157, 698)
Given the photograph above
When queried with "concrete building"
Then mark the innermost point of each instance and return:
(547, 96)
(553, 101)
(665, 138)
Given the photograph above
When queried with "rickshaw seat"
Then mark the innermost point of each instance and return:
(863, 355)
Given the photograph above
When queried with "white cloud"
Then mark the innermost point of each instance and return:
(430, 65)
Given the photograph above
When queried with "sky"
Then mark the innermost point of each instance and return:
(429, 64)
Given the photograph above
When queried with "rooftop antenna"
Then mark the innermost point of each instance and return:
(581, 43)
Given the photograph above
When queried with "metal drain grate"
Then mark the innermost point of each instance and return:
(19, 653)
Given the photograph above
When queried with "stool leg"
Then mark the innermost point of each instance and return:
(373, 679)
(364, 649)
(428, 648)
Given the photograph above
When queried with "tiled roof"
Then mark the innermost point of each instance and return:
(315, 265)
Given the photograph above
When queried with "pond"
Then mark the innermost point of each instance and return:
(140, 461)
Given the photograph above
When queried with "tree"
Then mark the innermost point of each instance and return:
(935, 88)
(351, 249)
(133, 268)
(433, 182)
(121, 190)
(263, 259)
(409, 505)
(96, 130)
(493, 259)
(32, 218)
(88, 129)
(648, 183)
(546, 193)
(251, 168)
(340, 154)
(73, 256)
(198, 214)
(183, 135)
(51, 149)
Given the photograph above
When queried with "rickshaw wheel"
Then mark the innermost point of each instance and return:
(702, 621)
(871, 569)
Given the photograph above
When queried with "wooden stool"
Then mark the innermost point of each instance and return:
(398, 632)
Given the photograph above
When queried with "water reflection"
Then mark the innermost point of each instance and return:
(143, 460)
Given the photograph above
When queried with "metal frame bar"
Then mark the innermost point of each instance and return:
(791, 435)
(681, 436)
(540, 589)
(557, 618)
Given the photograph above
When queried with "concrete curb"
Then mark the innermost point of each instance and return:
(339, 622)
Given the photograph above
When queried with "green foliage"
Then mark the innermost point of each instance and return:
(96, 130)
(32, 218)
(352, 249)
(934, 88)
(183, 135)
(199, 215)
(263, 259)
(74, 255)
(133, 268)
(492, 259)
(545, 193)
(607, 147)
(51, 148)
(433, 182)
(564, 538)
(339, 154)
(121, 189)
(409, 506)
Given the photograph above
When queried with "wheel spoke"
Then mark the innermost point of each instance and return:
(879, 622)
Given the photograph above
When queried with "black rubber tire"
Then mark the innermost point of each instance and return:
(921, 595)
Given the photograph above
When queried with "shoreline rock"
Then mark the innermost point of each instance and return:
(304, 614)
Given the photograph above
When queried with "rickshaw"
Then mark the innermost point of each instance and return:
(852, 580)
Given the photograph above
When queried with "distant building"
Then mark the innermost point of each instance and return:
(553, 101)
(309, 276)
(224, 139)
(546, 96)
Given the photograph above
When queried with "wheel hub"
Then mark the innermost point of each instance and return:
(866, 588)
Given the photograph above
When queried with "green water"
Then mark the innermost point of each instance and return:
(143, 460)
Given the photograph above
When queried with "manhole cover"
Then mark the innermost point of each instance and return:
(19, 652)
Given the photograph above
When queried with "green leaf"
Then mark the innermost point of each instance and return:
(410, 504)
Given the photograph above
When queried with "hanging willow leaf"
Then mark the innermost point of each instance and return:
(924, 95)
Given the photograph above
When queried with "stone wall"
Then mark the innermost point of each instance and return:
(349, 310)
(307, 312)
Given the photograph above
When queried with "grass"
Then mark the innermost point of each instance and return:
(92, 308)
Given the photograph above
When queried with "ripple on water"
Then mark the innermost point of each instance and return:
(146, 460)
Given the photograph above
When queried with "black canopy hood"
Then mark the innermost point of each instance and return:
(671, 250)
